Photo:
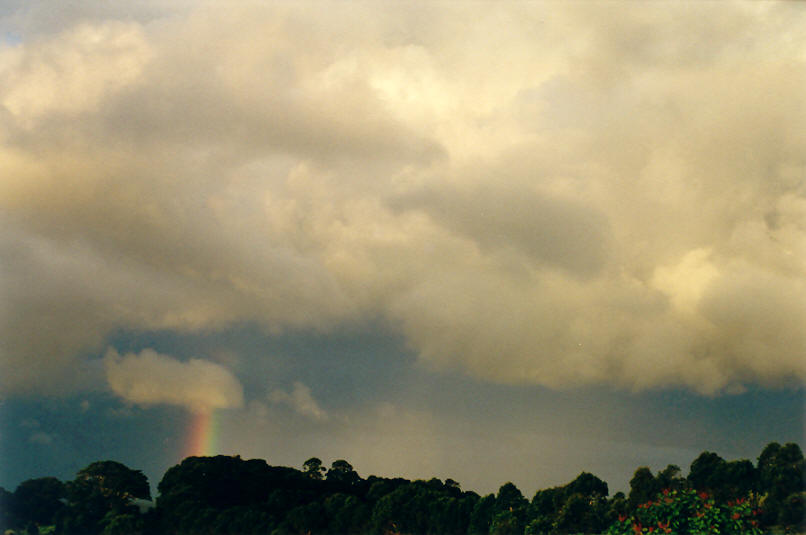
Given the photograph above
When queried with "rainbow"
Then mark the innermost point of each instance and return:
(202, 434)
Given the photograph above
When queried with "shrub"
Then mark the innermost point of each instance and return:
(688, 512)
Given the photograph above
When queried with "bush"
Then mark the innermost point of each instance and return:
(691, 513)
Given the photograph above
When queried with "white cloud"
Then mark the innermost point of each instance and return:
(300, 400)
(685, 282)
(150, 378)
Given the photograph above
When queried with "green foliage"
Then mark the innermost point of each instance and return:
(122, 524)
(225, 495)
(38, 501)
(689, 512)
(482, 515)
(669, 478)
(579, 506)
(6, 520)
(313, 468)
(341, 472)
(707, 471)
(792, 511)
(642, 486)
(99, 493)
(346, 514)
(506, 523)
(780, 476)
(509, 511)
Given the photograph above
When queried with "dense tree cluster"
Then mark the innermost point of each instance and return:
(228, 495)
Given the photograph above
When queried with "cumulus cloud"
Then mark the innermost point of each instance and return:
(566, 196)
(300, 400)
(150, 378)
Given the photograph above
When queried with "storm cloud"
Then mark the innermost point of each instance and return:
(537, 194)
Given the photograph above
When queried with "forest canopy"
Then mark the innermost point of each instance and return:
(230, 495)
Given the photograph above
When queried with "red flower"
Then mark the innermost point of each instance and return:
(637, 528)
(736, 516)
(665, 492)
(622, 518)
(703, 495)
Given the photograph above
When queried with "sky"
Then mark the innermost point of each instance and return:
(487, 241)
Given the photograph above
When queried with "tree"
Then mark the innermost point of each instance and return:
(707, 472)
(346, 514)
(510, 511)
(122, 524)
(792, 511)
(780, 476)
(578, 515)
(509, 498)
(738, 480)
(506, 523)
(341, 472)
(481, 516)
(39, 501)
(6, 505)
(313, 468)
(642, 487)
(102, 488)
(547, 502)
(308, 518)
(780, 469)
(670, 478)
(114, 480)
(588, 485)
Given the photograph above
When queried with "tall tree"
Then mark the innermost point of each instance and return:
(6, 504)
(341, 472)
(781, 480)
(588, 485)
(707, 472)
(670, 478)
(101, 491)
(313, 468)
(39, 500)
(643, 486)
(509, 498)
(482, 515)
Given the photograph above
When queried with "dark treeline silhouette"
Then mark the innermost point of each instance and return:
(230, 495)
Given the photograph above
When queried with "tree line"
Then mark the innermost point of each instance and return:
(226, 495)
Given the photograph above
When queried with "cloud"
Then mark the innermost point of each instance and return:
(553, 231)
(150, 378)
(299, 399)
(618, 201)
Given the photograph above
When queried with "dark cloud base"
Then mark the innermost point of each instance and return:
(478, 433)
